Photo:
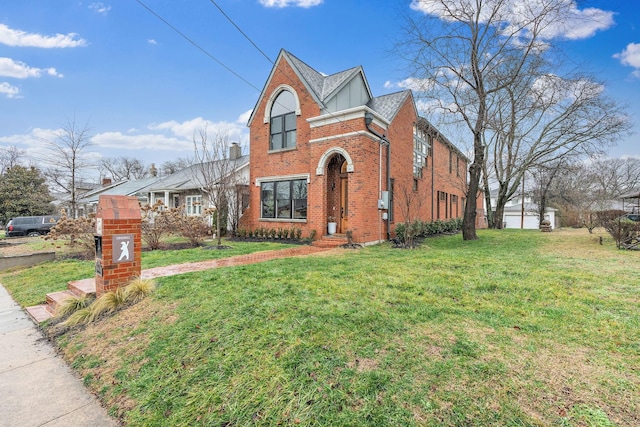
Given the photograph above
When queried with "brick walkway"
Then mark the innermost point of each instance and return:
(42, 312)
(171, 270)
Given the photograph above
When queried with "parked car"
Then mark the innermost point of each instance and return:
(633, 217)
(30, 225)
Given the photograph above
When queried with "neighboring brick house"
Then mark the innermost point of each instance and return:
(324, 149)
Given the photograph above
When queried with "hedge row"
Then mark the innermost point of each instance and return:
(409, 231)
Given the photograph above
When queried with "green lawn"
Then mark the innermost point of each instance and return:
(519, 328)
(51, 277)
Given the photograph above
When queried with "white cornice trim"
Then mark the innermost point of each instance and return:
(344, 115)
(345, 135)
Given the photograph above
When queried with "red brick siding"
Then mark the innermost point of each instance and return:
(364, 218)
(120, 215)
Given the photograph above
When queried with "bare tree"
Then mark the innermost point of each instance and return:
(611, 178)
(9, 157)
(172, 166)
(124, 168)
(582, 189)
(541, 122)
(67, 159)
(543, 177)
(465, 54)
(217, 173)
(410, 205)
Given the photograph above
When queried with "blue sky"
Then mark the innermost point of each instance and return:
(143, 89)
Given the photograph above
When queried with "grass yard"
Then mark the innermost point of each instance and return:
(51, 277)
(519, 328)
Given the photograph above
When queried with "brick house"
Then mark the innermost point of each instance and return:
(324, 149)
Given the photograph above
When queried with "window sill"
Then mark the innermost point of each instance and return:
(282, 220)
(282, 150)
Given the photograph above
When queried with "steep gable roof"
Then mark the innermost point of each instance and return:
(320, 86)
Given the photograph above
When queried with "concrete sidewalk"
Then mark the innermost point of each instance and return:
(37, 388)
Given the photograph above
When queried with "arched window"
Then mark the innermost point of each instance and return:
(283, 122)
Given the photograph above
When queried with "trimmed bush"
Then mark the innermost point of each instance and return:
(406, 233)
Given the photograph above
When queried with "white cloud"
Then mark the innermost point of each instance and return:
(33, 143)
(8, 90)
(412, 83)
(287, 3)
(159, 142)
(244, 117)
(155, 142)
(570, 22)
(152, 41)
(18, 38)
(630, 56)
(579, 24)
(100, 7)
(550, 89)
(20, 70)
(187, 129)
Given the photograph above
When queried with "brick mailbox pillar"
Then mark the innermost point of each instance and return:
(118, 242)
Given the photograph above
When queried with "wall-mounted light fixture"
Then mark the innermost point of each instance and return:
(333, 186)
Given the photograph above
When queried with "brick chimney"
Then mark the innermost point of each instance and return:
(106, 182)
(153, 171)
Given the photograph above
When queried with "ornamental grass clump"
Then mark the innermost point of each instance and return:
(108, 303)
(138, 289)
(83, 316)
(71, 305)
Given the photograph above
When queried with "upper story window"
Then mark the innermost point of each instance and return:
(420, 151)
(283, 122)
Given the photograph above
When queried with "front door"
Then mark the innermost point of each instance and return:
(344, 205)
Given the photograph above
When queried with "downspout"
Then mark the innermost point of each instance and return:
(433, 167)
(368, 119)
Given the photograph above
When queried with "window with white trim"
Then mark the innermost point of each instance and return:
(283, 122)
(420, 151)
(193, 205)
(284, 199)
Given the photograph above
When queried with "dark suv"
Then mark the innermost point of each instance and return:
(30, 225)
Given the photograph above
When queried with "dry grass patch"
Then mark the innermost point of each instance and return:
(110, 341)
(570, 377)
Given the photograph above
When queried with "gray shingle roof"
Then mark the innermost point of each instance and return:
(186, 179)
(122, 188)
(334, 81)
(388, 105)
(323, 86)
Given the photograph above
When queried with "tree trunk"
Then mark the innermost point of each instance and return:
(218, 228)
(470, 211)
(487, 198)
(498, 218)
(501, 201)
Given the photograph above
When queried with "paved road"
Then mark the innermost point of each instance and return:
(37, 388)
